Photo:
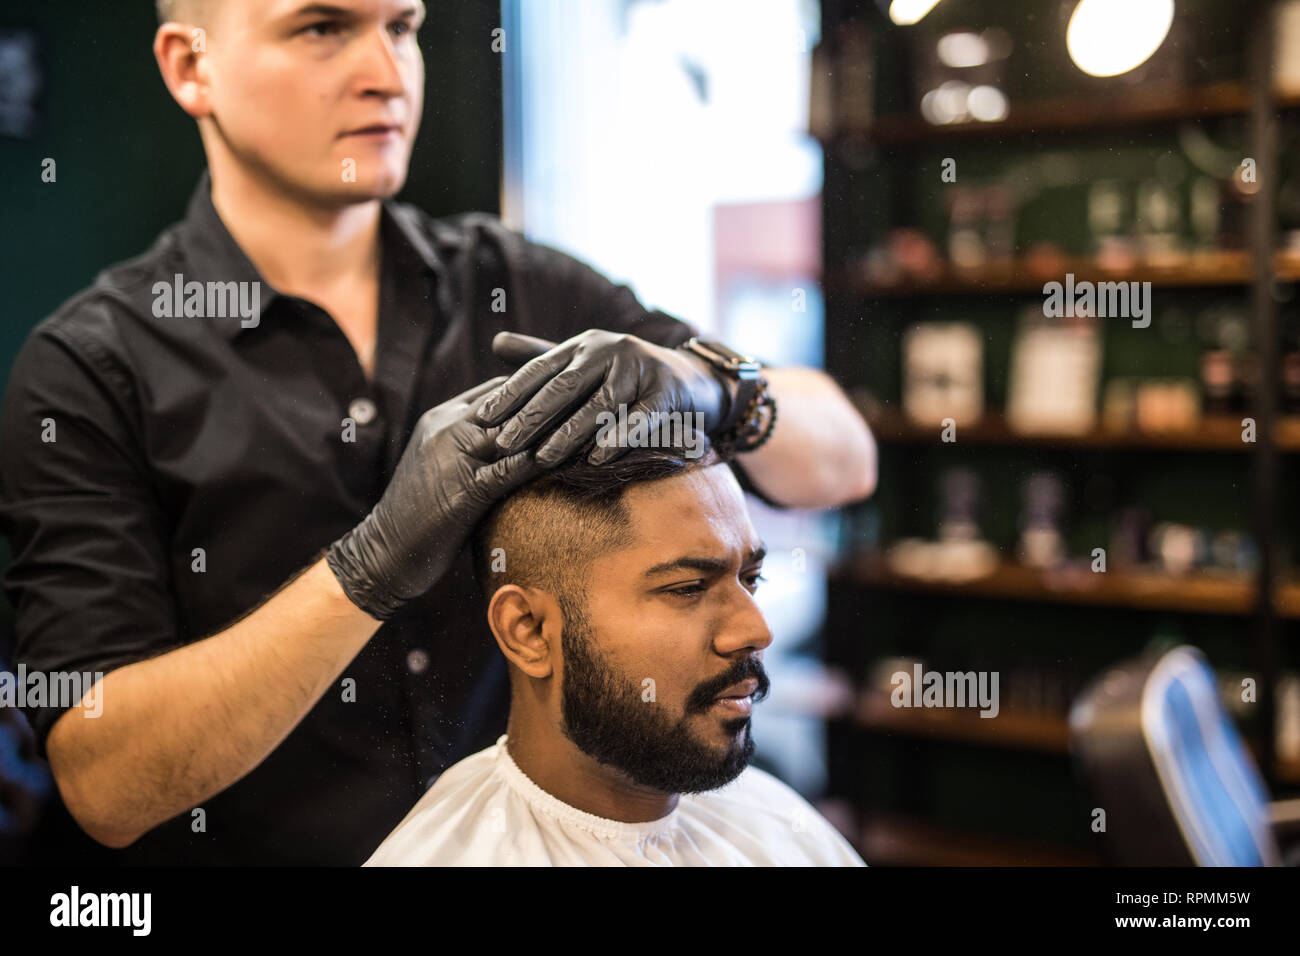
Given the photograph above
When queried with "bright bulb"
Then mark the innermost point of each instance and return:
(907, 12)
(1110, 37)
(960, 50)
(988, 104)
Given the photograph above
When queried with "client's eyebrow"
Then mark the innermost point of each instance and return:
(705, 565)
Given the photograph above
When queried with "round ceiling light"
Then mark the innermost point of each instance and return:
(1110, 37)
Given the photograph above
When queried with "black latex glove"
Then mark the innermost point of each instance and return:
(449, 476)
(562, 390)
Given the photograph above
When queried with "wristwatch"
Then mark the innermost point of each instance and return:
(751, 415)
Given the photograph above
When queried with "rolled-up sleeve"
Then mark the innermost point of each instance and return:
(88, 578)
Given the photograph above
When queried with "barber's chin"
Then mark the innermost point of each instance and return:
(371, 182)
(379, 190)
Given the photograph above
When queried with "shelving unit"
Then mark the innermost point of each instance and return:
(1071, 114)
(1131, 588)
(1015, 730)
(1229, 268)
(894, 840)
(1028, 731)
(1213, 433)
(859, 157)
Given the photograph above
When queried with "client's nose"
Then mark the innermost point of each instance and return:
(745, 626)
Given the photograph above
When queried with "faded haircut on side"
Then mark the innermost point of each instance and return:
(553, 529)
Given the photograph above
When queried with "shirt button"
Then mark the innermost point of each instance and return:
(362, 411)
(417, 661)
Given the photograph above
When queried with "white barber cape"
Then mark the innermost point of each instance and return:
(484, 811)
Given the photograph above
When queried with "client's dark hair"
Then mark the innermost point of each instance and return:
(552, 529)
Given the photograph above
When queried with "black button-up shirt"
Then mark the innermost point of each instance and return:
(198, 463)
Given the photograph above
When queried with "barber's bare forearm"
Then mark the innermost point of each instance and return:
(178, 728)
(821, 454)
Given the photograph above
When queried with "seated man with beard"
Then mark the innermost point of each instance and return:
(622, 596)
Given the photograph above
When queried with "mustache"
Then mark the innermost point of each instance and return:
(702, 697)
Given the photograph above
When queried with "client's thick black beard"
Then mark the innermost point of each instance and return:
(605, 717)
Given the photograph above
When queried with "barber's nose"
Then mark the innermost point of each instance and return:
(383, 65)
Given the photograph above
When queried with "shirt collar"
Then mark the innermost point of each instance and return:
(212, 251)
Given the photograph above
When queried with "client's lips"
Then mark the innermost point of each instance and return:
(743, 689)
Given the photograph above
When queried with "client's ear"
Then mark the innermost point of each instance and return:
(518, 618)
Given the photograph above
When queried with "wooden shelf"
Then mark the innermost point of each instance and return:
(1140, 589)
(1019, 731)
(1009, 730)
(892, 840)
(1131, 588)
(1288, 771)
(1214, 433)
(1078, 113)
(1226, 268)
(1286, 598)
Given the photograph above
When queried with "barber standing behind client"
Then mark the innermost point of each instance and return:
(251, 522)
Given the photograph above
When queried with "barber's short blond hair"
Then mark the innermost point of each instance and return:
(183, 11)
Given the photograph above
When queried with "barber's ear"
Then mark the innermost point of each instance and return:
(179, 51)
(521, 620)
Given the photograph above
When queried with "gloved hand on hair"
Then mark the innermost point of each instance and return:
(562, 389)
(448, 478)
